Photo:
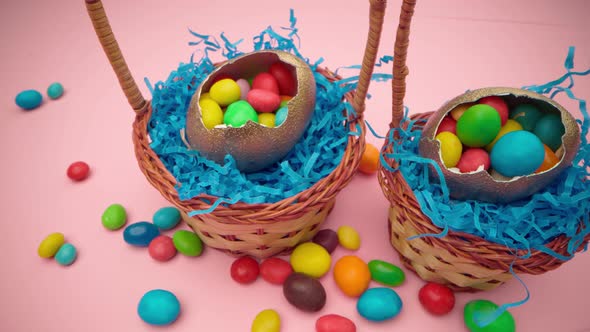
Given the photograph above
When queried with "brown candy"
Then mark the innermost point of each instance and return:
(304, 292)
(326, 238)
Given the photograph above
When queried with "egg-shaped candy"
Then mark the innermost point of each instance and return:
(140, 234)
(167, 217)
(225, 91)
(352, 275)
(510, 125)
(158, 307)
(211, 113)
(28, 99)
(263, 101)
(265, 81)
(517, 153)
(458, 111)
(267, 119)
(550, 160)
(285, 78)
(476, 311)
(478, 126)
(334, 323)
(311, 259)
(473, 159)
(304, 292)
(549, 129)
(447, 124)
(379, 304)
(266, 321)
(244, 88)
(66, 255)
(450, 148)
(239, 113)
(498, 104)
(326, 238)
(527, 115)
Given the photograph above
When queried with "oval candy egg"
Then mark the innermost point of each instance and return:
(304, 292)
(284, 77)
(517, 153)
(478, 126)
(447, 124)
(550, 129)
(265, 81)
(511, 125)
(450, 148)
(527, 115)
(458, 111)
(225, 92)
(352, 275)
(498, 104)
(263, 101)
(550, 160)
(379, 304)
(239, 113)
(211, 113)
(473, 159)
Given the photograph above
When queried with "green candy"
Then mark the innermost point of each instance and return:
(114, 217)
(478, 126)
(386, 273)
(187, 243)
(238, 113)
(527, 115)
(549, 129)
(482, 308)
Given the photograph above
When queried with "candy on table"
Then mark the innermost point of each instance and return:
(447, 124)
(284, 77)
(476, 312)
(267, 119)
(211, 113)
(304, 292)
(379, 304)
(326, 238)
(509, 126)
(263, 101)
(166, 218)
(266, 321)
(348, 237)
(352, 275)
(311, 259)
(245, 270)
(369, 163)
(50, 245)
(28, 99)
(158, 307)
(386, 273)
(238, 113)
(458, 111)
(225, 92)
(66, 255)
(162, 248)
(55, 90)
(266, 81)
(498, 104)
(114, 217)
(473, 159)
(450, 148)
(334, 323)
(275, 270)
(436, 298)
(517, 153)
(549, 161)
(140, 234)
(187, 243)
(281, 115)
(549, 129)
(478, 126)
(78, 171)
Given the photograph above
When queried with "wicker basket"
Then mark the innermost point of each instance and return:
(259, 230)
(462, 261)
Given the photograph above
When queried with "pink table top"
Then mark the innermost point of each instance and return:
(455, 45)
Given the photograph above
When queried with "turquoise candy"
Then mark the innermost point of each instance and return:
(66, 254)
(379, 304)
(550, 129)
(281, 115)
(158, 307)
(140, 234)
(29, 99)
(477, 310)
(55, 90)
(166, 218)
(527, 115)
(517, 153)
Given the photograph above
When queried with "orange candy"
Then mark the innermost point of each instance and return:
(369, 160)
(550, 160)
(352, 275)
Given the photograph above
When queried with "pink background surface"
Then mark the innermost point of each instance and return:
(456, 45)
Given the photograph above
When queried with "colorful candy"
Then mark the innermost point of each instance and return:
(244, 88)
(238, 113)
(550, 160)
(78, 171)
(447, 124)
(550, 129)
(473, 159)
(187, 243)
(348, 237)
(284, 77)
(517, 153)
(526, 115)
(267, 119)
(334, 323)
(50, 245)
(458, 111)
(275, 270)
(281, 115)
(478, 126)
(326, 238)
(478, 310)
(211, 113)
(225, 91)
(386, 273)
(311, 259)
(55, 90)
(266, 321)
(245, 270)
(66, 255)
(379, 304)
(498, 104)
(304, 293)
(140, 234)
(158, 307)
(510, 126)
(352, 275)
(28, 99)
(369, 160)
(266, 81)
(162, 248)
(114, 217)
(436, 298)
(166, 218)
(450, 148)
(263, 101)
(285, 100)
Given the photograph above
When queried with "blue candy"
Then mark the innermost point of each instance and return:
(66, 254)
(55, 90)
(29, 99)
(281, 115)
(379, 304)
(158, 307)
(166, 218)
(140, 233)
(517, 153)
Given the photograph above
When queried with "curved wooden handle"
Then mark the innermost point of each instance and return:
(400, 70)
(376, 14)
(113, 52)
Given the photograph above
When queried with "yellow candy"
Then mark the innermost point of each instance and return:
(266, 321)
(211, 113)
(311, 259)
(50, 245)
(510, 125)
(225, 91)
(450, 148)
(267, 119)
(459, 110)
(348, 237)
(205, 95)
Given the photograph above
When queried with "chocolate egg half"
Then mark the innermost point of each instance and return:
(254, 146)
(481, 185)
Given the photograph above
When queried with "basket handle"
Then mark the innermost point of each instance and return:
(400, 70)
(110, 46)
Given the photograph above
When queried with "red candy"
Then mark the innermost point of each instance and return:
(245, 270)
(447, 124)
(266, 81)
(263, 101)
(78, 171)
(499, 104)
(162, 248)
(334, 323)
(275, 270)
(285, 78)
(437, 299)
(472, 159)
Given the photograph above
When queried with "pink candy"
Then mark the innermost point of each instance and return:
(265, 81)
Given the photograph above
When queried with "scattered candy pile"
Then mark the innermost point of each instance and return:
(31, 99)
(78, 171)
(486, 136)
(262, 99)
(55, 246)
(158, 307)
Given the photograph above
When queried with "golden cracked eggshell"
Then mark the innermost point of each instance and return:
(481, 185)
(254, 146)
